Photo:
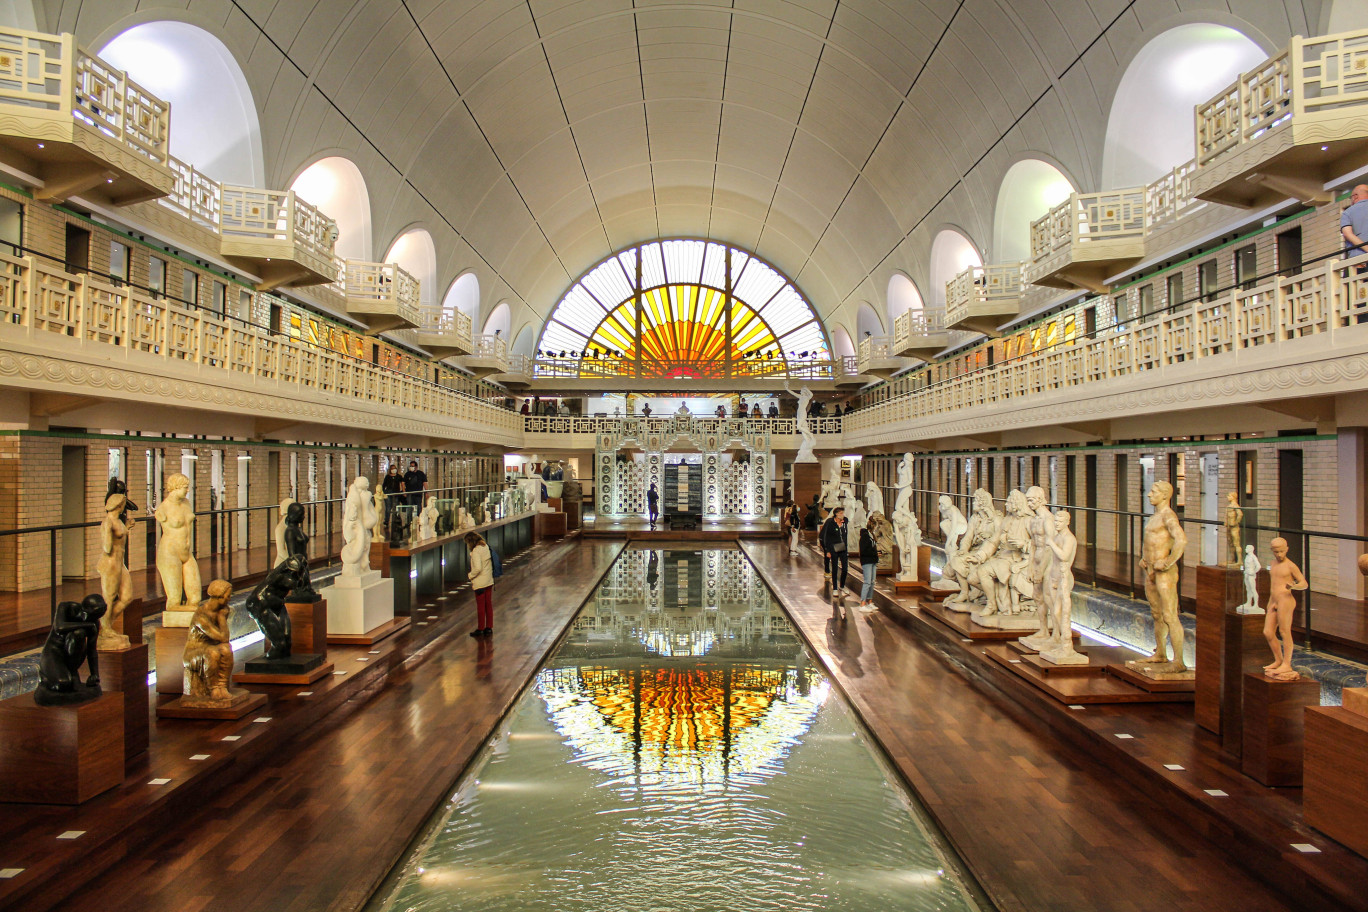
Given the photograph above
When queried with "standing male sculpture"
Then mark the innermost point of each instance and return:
(1161, 551)
(116, 585)
(176, 565)
(1234, 520)
(1042, 530)
(804, 424)
(1252, 566)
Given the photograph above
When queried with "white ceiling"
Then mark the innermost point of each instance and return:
(832, 137)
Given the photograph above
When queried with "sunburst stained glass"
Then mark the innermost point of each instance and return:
(682, 308)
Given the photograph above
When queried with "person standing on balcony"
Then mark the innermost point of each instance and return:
(526, 407)
(1354, 224)
(774, 410)
(415, 483)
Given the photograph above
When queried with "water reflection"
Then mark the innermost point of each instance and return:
(679, 751)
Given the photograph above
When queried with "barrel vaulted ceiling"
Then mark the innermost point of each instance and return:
(832, 137)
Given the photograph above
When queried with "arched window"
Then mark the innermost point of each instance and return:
(335, 185)
(682, 308)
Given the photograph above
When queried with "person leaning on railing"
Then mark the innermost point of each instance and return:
(1354, 224)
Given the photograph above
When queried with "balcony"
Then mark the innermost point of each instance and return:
(1087, 238)
(918, 334)
(443, 332)
(75, 126)
(382, 296)
(981, 299)
(1288, 126)
(877, 359)
(521, 370)
(488, 356)
(276, 236)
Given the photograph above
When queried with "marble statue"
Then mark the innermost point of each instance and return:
(1284, 578)
(464, 521)
(873, 499)
(952, 526)
(909, 538)
(176, 564)
(976, 547)
(208, 657)
(1161, 551)
(803, 421)
(266, 605)
(296, 542)
(855, 511)
(1005, 576)
(903, 501)
(116, 585)
(427, 522)
(1234, 520)
(71, 644)
(282, 550)
(531, 487)
(1042, 530)
(359, 519)
(831, 486)
(505, 501)
(1059, 599)
(1252, 566)
(884, 538)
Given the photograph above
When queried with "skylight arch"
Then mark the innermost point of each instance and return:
(682, 308)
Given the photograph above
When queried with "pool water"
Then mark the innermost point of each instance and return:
(680, 750)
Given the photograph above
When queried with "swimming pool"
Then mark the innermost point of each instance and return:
(679, 750)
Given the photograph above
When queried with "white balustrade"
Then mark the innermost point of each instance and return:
(981, 290)
(1090, 218)
(738, 427)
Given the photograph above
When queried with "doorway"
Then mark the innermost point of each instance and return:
(1210, 465)
(1290, 501)
(77, 248)
(73, 511)
(1146, 482)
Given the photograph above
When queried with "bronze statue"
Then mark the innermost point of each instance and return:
(297, 545)
(208, 652)
(266, 605)
(71, 643)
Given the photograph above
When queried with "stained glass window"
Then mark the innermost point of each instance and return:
(683, 308)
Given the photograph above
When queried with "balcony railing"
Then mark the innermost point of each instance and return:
(382, 295)
(840, 368)
(195, 197)
(490, 345)
(1078, 242)
(276, 224)
(1170, 197)
(564, 424)
(106, 322)
(107, 100)
(982, 296)
(1328, 298)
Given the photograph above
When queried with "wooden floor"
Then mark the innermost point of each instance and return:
(1046, 813)
(25, 617)
(322, 813)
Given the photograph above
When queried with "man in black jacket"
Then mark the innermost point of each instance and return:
(833, 541)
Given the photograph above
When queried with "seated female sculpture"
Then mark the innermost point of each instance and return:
(266, 605)
(71, 643)
(208, 653)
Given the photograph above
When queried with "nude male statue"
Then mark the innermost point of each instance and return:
(1284, 578)
(1042, 528)
(1162, 549)
(1234, 518)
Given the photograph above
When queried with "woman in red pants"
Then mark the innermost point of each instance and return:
(482, 581)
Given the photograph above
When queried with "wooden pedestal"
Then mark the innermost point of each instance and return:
(807, 483)
(170, 659)
(60, 754)
(125, 672)
(1273, 728)
(379, 556)
(304, 677)
(370, 637)
(549, 525)
(555, 504)
(131, 624)
(243, 703)
(1229, 645)
(1335, 779)
(309, 626)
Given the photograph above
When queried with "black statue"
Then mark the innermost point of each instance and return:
(297, 545)
(266, 605)
(119, 486)
(71, 643)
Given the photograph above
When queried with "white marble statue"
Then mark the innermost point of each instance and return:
(979, 543)
(1041, 526)
(531, 487)
(831, 486)
(359, 519)
(873, 499)
(952, 526)
(1006, 576)
(465, 522)
(281, 551)
(909, 537)
(176, 564)
(1252, 566)
(804, 424)
(1059, 585)
(903, 500)
(427, 521)
(116, 585)
(855, 511)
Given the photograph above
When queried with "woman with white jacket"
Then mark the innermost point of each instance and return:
(482, 581)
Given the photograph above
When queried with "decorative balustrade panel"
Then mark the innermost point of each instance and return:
(1265, 96)
(255, 214)
(1112, 215)
(195, 197)
(1331, 72)
(107, 100)
(32, 69)
(1218, 124)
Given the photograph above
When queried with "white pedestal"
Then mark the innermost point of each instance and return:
(355, 610)
(178, 618)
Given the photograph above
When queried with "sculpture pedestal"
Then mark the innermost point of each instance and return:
(300, 668)
(188, 707)
(124, 671)
(1274, 713)
(131, 624)
(1155, 682)
(309, 625)
(549, 525)
(60, 754)
(379, 556)
(999, 621)
(807, 483)
(1334, 799)
(361, 615)
(1229, 645)
(171, 651)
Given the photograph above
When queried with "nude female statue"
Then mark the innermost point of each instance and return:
(1060, 585)
(1162, 549)
(116, 585)
(282, 549)
(1284, 578)
(180, 574)
(1234, 518)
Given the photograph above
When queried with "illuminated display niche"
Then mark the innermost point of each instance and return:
(682, 308)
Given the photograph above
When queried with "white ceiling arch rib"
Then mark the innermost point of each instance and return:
(537, 136)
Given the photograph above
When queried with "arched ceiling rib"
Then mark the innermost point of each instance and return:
(833, 137)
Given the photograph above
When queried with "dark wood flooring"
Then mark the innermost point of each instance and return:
(308, 818)
(1043, 819)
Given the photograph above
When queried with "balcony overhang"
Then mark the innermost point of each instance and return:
(1086, 265)
(1294, 160)
(441, 343)
(61, 160)
(984, 316)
